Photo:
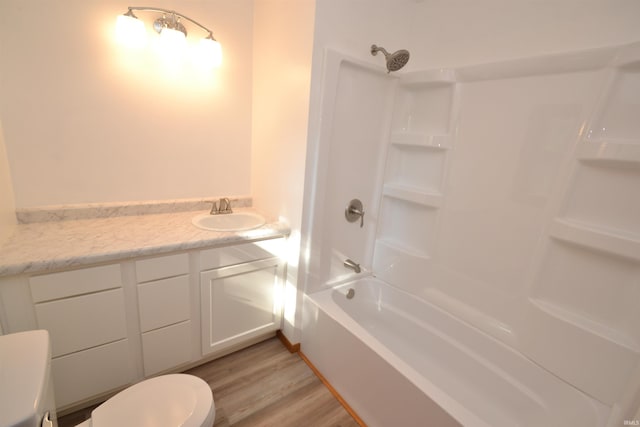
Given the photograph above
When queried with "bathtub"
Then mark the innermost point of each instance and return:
(398, 360)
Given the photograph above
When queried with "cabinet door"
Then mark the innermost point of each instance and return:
(240, 302)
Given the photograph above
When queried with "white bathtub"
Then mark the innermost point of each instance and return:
(398, 360)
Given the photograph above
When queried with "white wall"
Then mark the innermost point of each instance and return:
(352, 26)
(85, 120)
(282, 47)
(282, 74)
(7, 206)
(445, 33)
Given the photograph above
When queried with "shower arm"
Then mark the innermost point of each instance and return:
(375, 49)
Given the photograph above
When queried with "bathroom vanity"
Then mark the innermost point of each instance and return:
(136, 315)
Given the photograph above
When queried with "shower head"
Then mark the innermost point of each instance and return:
(395, 60)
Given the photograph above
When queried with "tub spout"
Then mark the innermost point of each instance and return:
(352, 265)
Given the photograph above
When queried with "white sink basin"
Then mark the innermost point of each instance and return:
(236, 221)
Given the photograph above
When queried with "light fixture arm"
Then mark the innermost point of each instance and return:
(172, 12)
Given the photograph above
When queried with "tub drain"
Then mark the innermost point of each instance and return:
(351, 293)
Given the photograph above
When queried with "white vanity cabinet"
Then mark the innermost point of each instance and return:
(164, 307)
(84, 312)
(113, 325)
(241, 289)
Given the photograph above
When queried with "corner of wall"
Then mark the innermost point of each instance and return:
(7, 201)
(280, 111)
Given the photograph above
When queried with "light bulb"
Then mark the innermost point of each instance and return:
(173, 42)
(130, 31)
(209, 54)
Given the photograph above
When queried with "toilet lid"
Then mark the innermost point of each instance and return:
(176, 400)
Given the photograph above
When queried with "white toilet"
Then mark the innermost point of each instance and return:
(26, 393)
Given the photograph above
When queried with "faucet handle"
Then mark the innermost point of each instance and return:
(214, 207)
(225, 206)
(355, 211)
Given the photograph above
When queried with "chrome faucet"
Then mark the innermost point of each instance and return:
(224, 206)
(352, 265)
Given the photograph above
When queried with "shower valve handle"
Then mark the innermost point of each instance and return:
(355, 211)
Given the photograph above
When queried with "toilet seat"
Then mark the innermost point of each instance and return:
(168, 400)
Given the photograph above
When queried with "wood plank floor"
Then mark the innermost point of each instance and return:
(263, 385)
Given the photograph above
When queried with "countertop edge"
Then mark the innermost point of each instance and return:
(39, 265)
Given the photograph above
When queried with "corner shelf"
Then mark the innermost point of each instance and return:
(415, 139)
(409, 194)
(596, 238)
(626, 151)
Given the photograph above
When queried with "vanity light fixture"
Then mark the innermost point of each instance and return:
(172, 31)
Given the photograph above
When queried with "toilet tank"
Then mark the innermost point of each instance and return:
(26, 386)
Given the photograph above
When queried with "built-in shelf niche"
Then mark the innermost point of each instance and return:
(412, 192)
(407, 226)
(424, 103)
(604, 195)
(416, 168)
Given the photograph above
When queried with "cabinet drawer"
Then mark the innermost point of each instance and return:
(163, 302)
(237, 254)
(88, 373)
(166, 348)
(82, 322)
(161, 267)
(69, 283)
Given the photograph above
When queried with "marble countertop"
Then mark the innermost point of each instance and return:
(55, 245)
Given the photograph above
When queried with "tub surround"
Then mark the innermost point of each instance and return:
(503, 217)
(71, 239)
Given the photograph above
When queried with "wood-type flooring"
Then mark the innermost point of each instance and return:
(262, 385)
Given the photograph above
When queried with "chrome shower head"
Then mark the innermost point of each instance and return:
(395, 60)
